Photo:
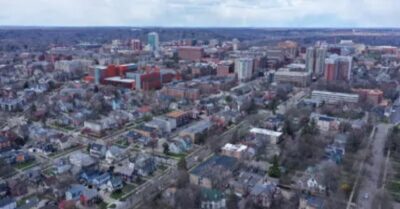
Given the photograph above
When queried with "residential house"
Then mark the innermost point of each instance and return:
(62, 166)
(180, 145)
(212, 199)
(114, 153)
(97, 150)
(244, 182)
(80, 159)
(95, 178)
(114, 184)
(181, 117)
(264, 194)
(144, 164)
(125, 169)
(17, 187)
(311, 202)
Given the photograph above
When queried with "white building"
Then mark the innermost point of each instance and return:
(274, 136)
(334, 97)
(244, 68)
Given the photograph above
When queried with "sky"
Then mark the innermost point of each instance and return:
(201, 13)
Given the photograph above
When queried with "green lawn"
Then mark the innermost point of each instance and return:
(64, 152)
(122, 143)
(117, 195)
(25, 165)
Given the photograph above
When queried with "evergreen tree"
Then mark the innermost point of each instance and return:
(274, 171)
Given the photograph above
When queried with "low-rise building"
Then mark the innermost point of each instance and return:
(334, 97)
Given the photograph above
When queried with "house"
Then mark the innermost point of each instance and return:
(97, 150)
(125, 169)
(144, 164)
(89, 197)
(265, 193)
(311, 202)
(74, 192)
(62, 166)
(180, 145)
(80, 159)
(214, 172)
(197, 131)
(8, 203)
(113, 154)
(5, 143)
(245, 181)
(273, 137)
(136, 137)
(115, 184)
(95, 178)
(212, 199)
(226, 117)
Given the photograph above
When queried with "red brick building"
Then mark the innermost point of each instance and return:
(190, 53)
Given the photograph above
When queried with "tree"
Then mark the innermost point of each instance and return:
(288, 128)
(232, 201)
(274, 171)
(273, 105)
(310, 128)
(165, 148)
(182, 165)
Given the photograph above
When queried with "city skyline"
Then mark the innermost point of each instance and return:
(205, 13)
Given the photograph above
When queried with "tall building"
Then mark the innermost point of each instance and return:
(320, 55)
(338, 68)
(153, 41)
(310, 59)
(244, 68)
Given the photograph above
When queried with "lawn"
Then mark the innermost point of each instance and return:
(117, 195)
(177, 156)
(64, 152)
(122, 143)
(25, 165)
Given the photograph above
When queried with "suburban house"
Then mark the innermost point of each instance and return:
(212, 199)
(265, 193)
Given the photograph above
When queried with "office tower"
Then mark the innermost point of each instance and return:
(244, 68)
(153, 41)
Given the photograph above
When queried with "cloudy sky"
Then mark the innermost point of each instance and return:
(203, 13)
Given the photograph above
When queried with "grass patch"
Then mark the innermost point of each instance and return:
(117, 195)
(176, 156)
(25, 165)
(122, 143)
(64, 152)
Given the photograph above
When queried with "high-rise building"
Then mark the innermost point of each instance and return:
(320, 55)
(244, 68)
(338, 68)
(136, 44)
(153, 41)
(310, 59)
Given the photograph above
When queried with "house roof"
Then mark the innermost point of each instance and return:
(216, 160)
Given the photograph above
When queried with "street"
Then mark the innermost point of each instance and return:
(371, 184)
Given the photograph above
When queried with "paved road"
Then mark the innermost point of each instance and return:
(372, 183)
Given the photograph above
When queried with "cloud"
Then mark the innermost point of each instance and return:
(237, 13)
